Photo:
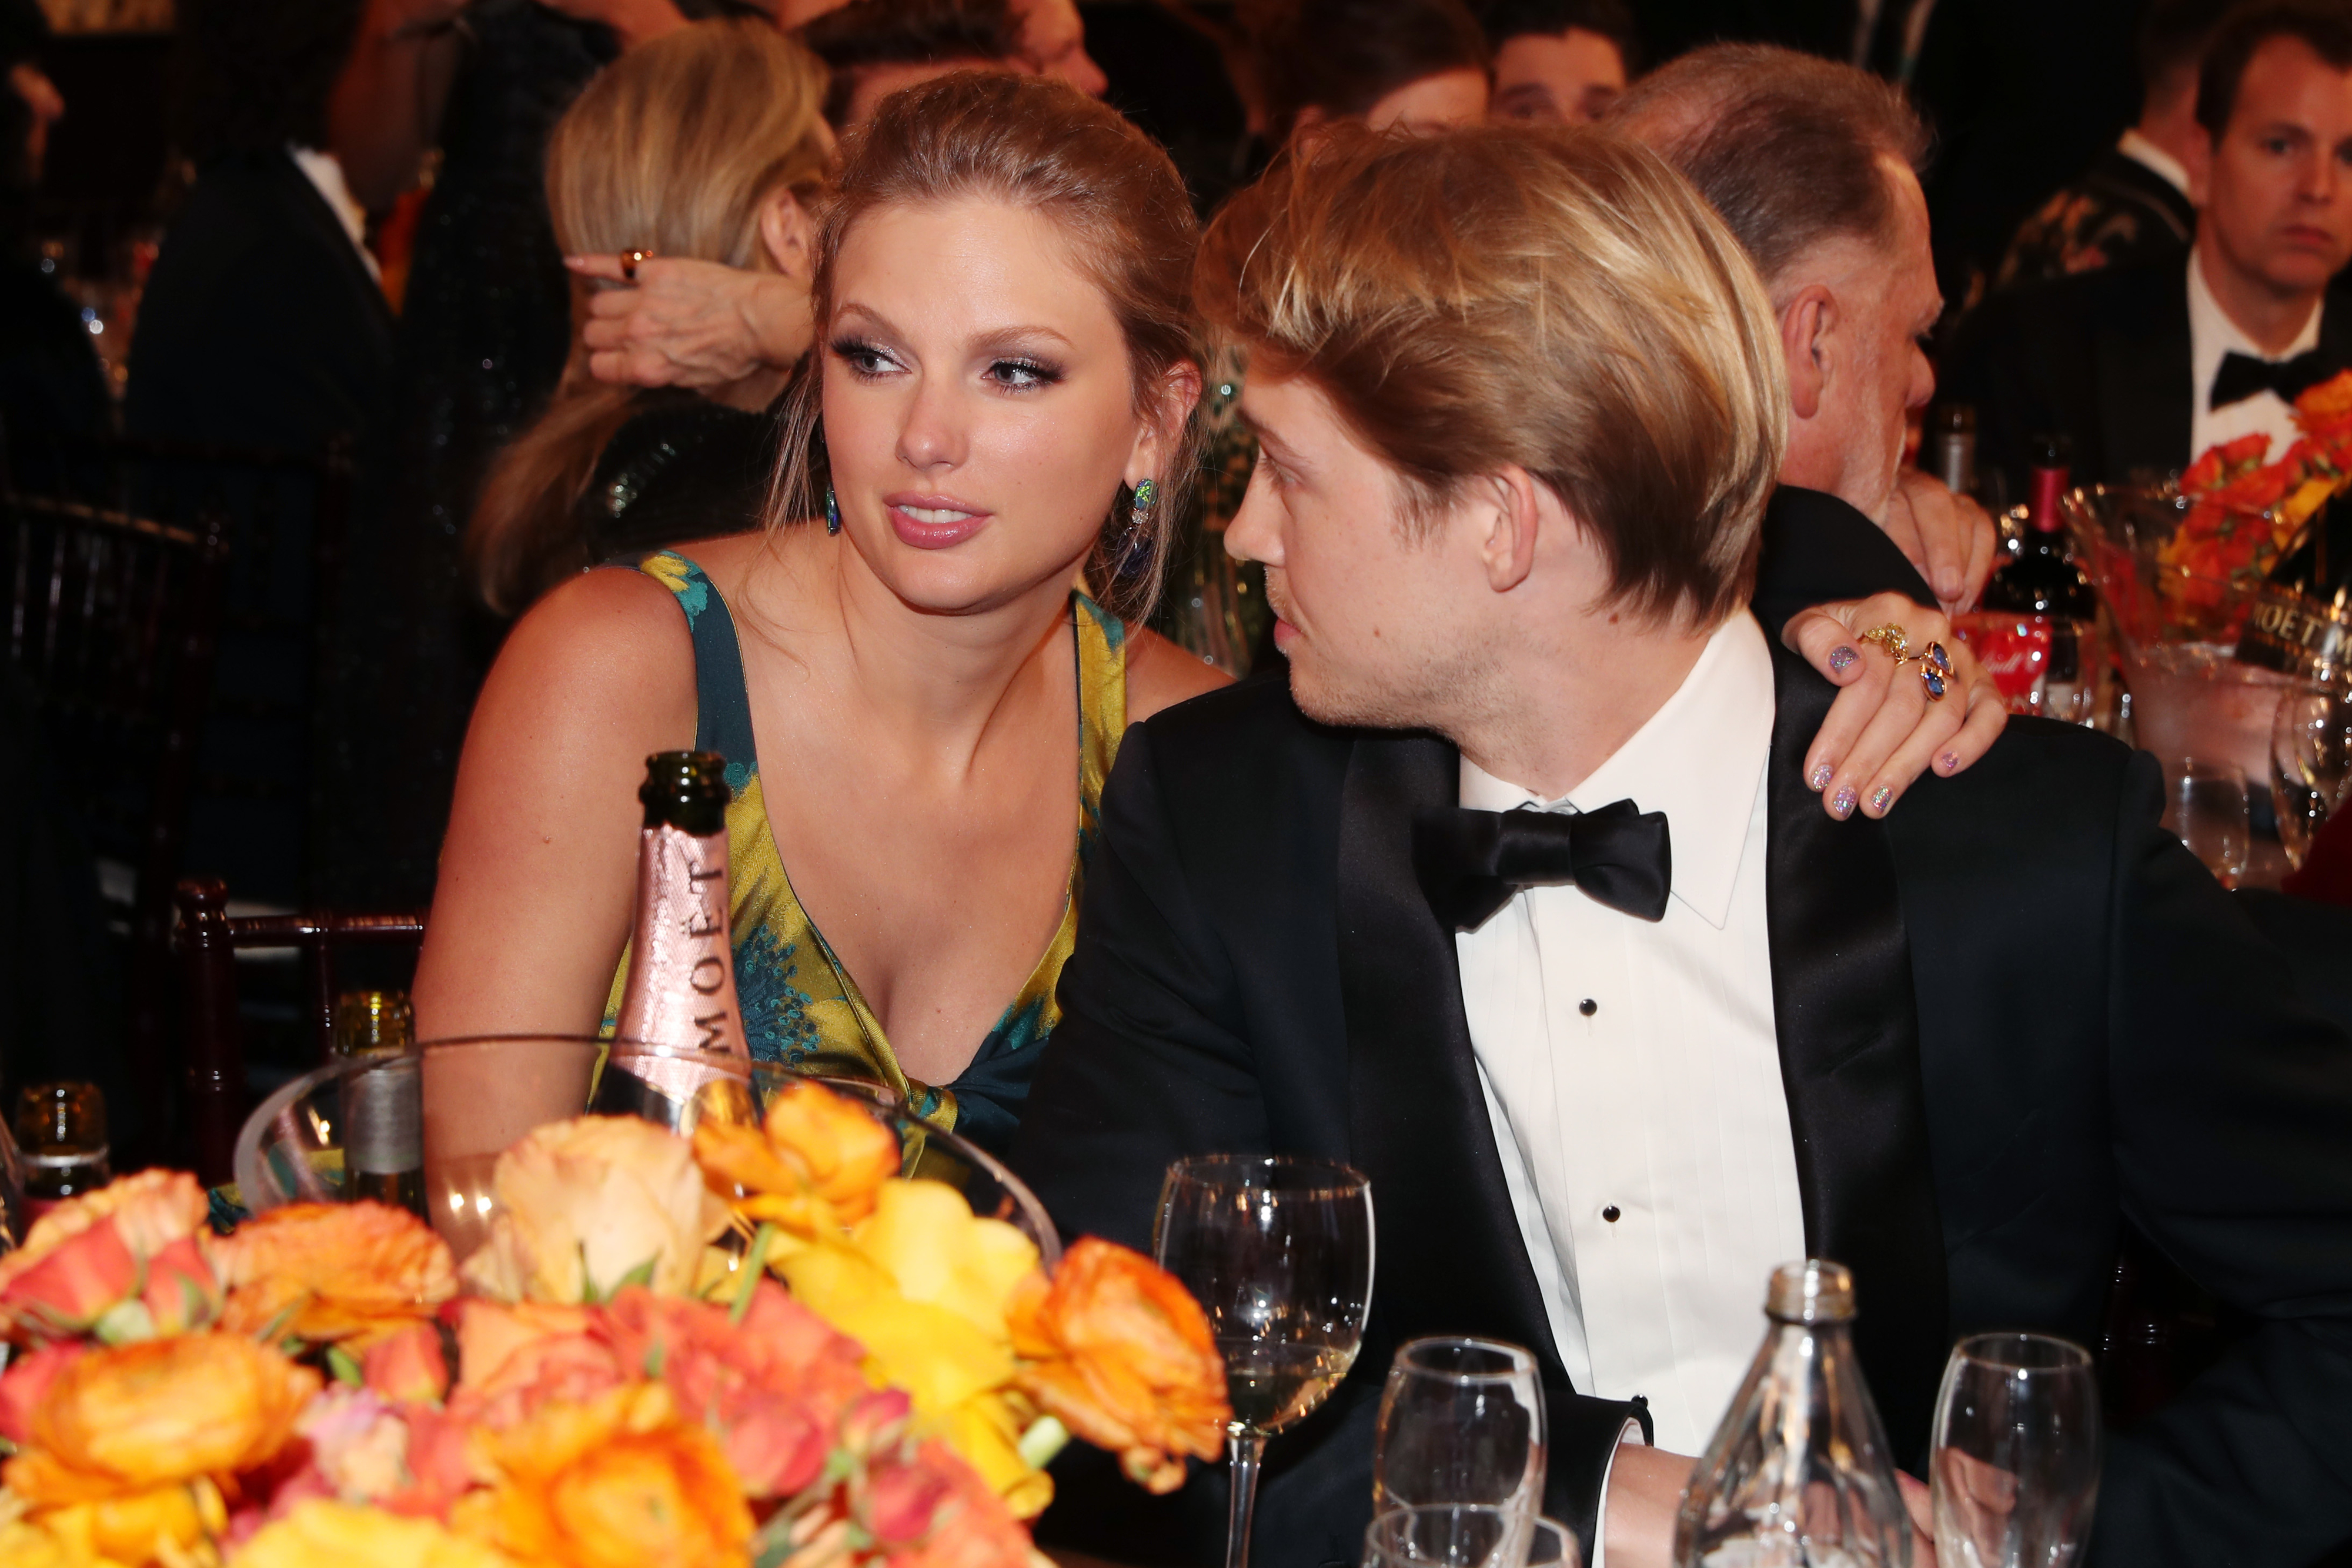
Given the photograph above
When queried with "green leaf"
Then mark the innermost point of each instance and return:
(345, 1366)
(123, 1323)
(753, 1261)
(1045, 1438)
(656, 1357)
(642, 1274)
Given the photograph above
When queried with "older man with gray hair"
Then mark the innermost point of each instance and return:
(1813, 166)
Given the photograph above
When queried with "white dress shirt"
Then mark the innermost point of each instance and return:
(1633, 1070)
(2155, 159)
(326, 177)
(2211, 335)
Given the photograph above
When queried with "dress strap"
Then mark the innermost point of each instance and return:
(1102, 706)
(723, 703)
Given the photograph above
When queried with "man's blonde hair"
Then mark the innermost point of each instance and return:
(1550, 297)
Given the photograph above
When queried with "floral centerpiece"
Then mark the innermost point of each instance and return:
(2242, 513)
(869, 1375)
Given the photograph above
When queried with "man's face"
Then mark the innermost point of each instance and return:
(1565, 78)
(1374, 624)
(1054, 39)
(1431, 103)
(2275, 203)
(1886, 301)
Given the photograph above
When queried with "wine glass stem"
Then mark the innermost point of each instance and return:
(1244, 1450)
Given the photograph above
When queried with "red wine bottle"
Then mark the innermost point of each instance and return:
(2043, 578)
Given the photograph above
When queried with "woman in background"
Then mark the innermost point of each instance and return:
(708, 143)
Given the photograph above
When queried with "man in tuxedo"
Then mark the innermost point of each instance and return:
(2131, 206)
(1813, 166)
(1514, 898)
(2144, 368)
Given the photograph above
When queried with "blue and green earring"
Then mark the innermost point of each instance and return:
(832, 512)
(1138, 522)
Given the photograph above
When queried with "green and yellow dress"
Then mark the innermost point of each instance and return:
(801, 1007)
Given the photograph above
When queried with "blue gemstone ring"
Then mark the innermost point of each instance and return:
(1934, 665)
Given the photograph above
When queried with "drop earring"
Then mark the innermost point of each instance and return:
(1146, 492)
(832, 512)
(1137, 549)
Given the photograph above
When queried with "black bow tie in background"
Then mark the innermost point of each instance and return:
(2242, 376)
(1470, 862)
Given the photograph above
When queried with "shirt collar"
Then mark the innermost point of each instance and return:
(2215, 335)
(2155, 159)
(326, 176)
(1698, 758)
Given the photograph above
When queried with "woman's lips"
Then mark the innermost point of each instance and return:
(933, 522)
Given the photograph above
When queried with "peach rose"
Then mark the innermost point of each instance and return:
(408, 1367)
(333, 1271)
(514, 1358)
(619, 1482)
(130, 1417)
(587, 1206)
(1121, 1355)
(813, 1166)
(125, 1262)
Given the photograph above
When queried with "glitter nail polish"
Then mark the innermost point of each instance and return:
(1842, 803)
(1950, 762)
(1842, 659)
(1819, 777)
(1880, 796)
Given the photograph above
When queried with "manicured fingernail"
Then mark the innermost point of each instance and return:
(1819, 777)
(1949, 762)
(1842, 803)
(1879, 798)
(1841, 660)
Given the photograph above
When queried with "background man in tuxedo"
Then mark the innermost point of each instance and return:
(2144, 368)
(1812, 164)
(2131, 205)
(1608, 1058)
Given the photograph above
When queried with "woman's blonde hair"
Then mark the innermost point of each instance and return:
(1553, 298)
(672, 150)
(1037, 143)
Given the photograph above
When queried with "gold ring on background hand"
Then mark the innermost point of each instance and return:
(629, 259)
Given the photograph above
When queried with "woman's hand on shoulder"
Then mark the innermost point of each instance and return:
(1884, 730)
(1161, 675)
(532, 904)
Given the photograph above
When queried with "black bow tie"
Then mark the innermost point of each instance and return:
(1470, 862)
(2242, 376)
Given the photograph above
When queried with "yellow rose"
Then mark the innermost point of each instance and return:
(355, 1271)
(926, 1236)
(937, 1356)
(130, 1417)
(587, 1206)
(811, 1167)
(320, 1533)
(617, 1483)
(165, 1525)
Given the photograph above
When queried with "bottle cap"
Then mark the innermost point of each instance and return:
(370, 1023)
(1813, 1292)
(686, 789)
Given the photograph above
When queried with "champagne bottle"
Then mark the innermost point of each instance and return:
(681, 989)
(383, 1104)
(1799, 1472)
(2299, 623)
(61, 1127)
(1951, 454)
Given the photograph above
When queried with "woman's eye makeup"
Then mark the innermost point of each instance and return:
(1020, 374)
(863, 357)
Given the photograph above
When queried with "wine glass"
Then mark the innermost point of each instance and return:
(2205, 804)
(2016, 1459)
(1467, 1535)
(1461, 1421)
(2311, 761)
(1278, 1252)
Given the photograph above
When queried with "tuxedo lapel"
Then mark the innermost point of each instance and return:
(1451, 1257)
(2147, 392)
(1849, 1032)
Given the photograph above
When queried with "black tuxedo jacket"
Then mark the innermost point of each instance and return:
(2011, 1016)
(2102, 357)
(260, 326)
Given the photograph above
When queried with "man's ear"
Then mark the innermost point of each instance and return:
(2200, 164)
(1806, 321)
(787, 235)
(1507, 509)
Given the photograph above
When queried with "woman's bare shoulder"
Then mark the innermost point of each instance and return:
(1161, 675)
(607, 647)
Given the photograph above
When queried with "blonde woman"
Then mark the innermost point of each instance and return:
(706, 143)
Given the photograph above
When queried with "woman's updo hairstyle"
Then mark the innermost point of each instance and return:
(1032, 142)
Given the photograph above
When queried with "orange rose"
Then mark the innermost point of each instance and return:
(618, 1482)
(513, 1359)
(324, 1271)
(813, 1166)
(125, 1262)
(127, 1418)
(408, 1367)
(1117, 1350)
(165, 1524)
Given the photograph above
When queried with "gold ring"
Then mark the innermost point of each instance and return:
(1890, 640)
(1935, 671)
(629, 259)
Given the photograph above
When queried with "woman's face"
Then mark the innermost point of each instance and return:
(979, 410)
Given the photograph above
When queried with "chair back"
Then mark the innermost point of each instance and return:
(209, 938)
(111, 626)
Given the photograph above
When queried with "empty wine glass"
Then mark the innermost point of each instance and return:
(1278, 1252)
(1461, 1535)
(1461, 1421)
(2015, 1465)
(2311, 761)
(2205, 804)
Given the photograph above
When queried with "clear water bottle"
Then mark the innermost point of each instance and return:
(1799, 1474)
